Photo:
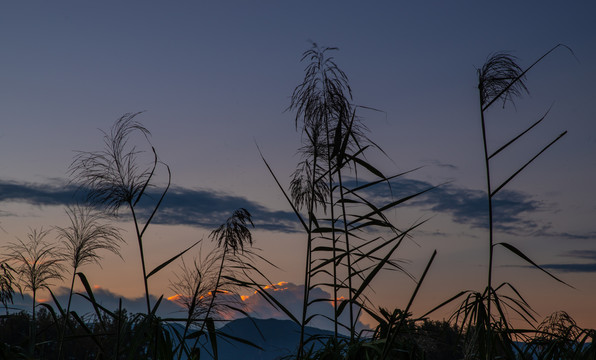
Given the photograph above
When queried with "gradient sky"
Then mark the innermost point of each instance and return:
(216, 77)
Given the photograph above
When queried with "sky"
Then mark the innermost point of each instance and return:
(214, 81)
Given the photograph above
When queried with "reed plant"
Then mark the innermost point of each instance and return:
(116, 177)
(349, 239)
(482, 315)
(83, 239)
(7, 285)
(37, 264)
(192, 286)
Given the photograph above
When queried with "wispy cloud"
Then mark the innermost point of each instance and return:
(440, 164)
(573, 267)
(470, 207)
(37, 194)
(581, 254)
(208, 208)
(181, 206)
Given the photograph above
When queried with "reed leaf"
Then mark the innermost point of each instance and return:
(169, 261)
(519, 253)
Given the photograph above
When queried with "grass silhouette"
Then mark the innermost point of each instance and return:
(349, 237)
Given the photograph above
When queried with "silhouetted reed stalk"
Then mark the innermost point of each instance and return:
(230, 236)
(332, 145)
(85, 236)
(317, 102)
(192, 287)
(113, 178)
(37, 263)
(7, 285)
(340, 162)
(501, 78)
(333, 222)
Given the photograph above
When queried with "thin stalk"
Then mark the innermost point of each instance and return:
(32, 329)
(191, 311)
(66, 315)
(490, 225)
(140, 240)
(307, 271)
(332, 215)
(211, 303)
(347, 237)
(118, 324)
(223, 258)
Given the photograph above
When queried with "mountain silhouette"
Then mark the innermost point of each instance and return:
(277, 338)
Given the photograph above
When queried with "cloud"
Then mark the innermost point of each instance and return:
(581, 254)
(288, 294)
(181, 206)
(207, 208)
(568, 267)
(438, 163)
(37, 194)
(470, 207)
(104, 297)
(571, 268)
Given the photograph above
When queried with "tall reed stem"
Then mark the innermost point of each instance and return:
(348, 259)
(307, 271)
(140, 241)
(490, 228)
(332, 216)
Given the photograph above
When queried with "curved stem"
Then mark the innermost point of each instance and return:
(332, 215)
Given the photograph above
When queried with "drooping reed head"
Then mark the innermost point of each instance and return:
(113, 177)
(500, 77)
(234, 233)
(36, 262)
(192, 284)
(86, 235)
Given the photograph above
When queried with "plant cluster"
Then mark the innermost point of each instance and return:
(349, 238)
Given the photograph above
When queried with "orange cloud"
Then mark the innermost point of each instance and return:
(339, 300)
(174, 297)
(280, 286)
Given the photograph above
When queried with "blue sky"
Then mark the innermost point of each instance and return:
(214, 79)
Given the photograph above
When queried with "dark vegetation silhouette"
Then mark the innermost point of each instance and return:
(348, 236)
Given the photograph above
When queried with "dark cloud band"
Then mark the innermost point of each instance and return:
(181, 206)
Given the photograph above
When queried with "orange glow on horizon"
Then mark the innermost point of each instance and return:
(174, 297)
(339, 300)
(276, 287)
(179, 296)
(42, 300)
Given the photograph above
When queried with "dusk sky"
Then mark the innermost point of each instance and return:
(214, 80)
